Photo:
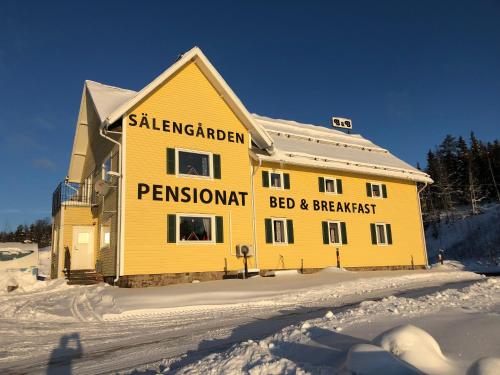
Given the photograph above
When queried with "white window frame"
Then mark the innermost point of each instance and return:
(340, 233)
(210, 164)
(285, 230)
(380, 189)
(186, 242)
(103, 244)
(282, 179)
(335, 192)
(106, 177)
(386, 243)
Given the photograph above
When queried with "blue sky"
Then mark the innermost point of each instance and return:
(407, 73)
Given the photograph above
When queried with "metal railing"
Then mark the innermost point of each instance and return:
(73, 194)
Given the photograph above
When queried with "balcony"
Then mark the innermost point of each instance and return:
(73, 194)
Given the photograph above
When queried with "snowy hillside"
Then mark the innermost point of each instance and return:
(465, 237)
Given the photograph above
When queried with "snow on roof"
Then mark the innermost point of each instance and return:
(318, 146)
(294, 142)
(107, 98)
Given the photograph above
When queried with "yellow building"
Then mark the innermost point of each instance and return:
(173, 182)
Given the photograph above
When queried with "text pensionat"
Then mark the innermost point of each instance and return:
(187, 194)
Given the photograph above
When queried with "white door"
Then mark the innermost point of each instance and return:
(82, 256)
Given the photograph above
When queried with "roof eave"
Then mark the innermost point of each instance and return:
(346, 166)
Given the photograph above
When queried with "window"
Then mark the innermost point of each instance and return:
(194, 164)
(83, 238)
(279, 231)
(275, 180)
(186, 163)
(381, 237)
(106, 233)
(381, 234)
(376, 190)
(334, 232)
(195, 228)
(330, 185)
(106, 167)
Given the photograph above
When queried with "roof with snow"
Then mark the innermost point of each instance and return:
(283, 141)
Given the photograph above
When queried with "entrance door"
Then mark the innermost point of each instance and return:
(82, 256)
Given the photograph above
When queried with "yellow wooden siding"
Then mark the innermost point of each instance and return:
(400, 209)
(188, 97)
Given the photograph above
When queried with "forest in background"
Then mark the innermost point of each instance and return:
(465, 174)
(40, 232)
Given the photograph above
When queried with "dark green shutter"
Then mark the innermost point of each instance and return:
(286, 180)
(384, 191)
(172, 229)
(321, 183)
(217, 166)
(339, 186)
(374, 234)
(368, 189)
(269, 230)
(171, 160)
(265, 178)
(289, 230)
(219, 229)
(343, 230)
(326, 237)
(389, 234)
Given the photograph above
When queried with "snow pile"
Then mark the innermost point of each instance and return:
(317, 346)
(416, 347)
(44, 261)
(52, 300)
(22, 280)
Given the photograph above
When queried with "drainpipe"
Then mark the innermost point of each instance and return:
(102, 132)
(254, 226)
(422, 224)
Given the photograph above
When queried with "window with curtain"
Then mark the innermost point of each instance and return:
(193, 228)
(334, 233)
(330, 185)
(275, 180)
(279, 231)
(381, 235)
(194, 164)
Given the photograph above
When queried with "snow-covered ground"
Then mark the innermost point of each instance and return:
(474, 240)
(100, 329)
(390, 336)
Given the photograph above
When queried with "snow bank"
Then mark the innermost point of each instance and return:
(44, 261)
(416, 347)
(23, 280)
(316, 346)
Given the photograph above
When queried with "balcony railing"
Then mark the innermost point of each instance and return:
(73, 194)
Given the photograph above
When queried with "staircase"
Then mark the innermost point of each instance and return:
(84, 277)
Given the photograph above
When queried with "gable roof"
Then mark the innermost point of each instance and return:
(106, 98)
(259, 136)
